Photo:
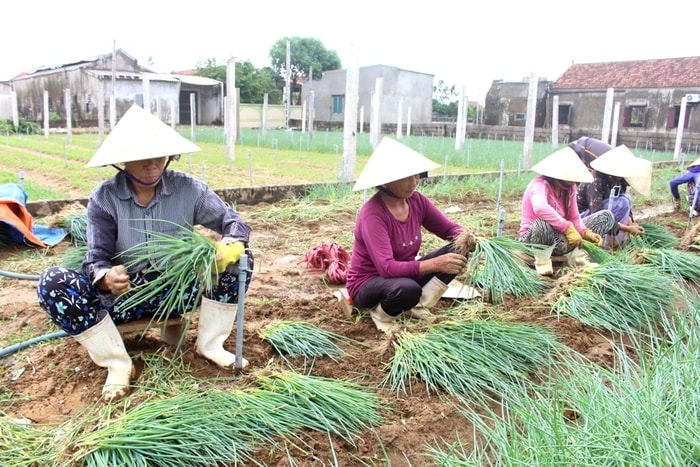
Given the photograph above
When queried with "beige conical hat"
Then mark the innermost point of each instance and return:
(139, 135)
(642, 183)
(695, 163)
(564, 164)
(392, 161)
(619, 162)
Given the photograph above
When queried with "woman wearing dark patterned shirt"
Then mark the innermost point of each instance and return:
(612, 174)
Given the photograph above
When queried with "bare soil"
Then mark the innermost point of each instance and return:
(53, 381)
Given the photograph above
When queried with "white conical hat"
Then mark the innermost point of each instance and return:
(392, 161)
(564, 164)
(695, 163)
(619, 162)
(642, 183)
(139, 135)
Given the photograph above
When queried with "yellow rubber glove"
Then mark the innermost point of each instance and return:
(228, 253)
(572, 236)
(592, 237)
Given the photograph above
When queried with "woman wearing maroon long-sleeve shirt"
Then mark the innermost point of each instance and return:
(386, 272)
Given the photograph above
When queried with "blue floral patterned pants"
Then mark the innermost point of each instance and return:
(74, 304)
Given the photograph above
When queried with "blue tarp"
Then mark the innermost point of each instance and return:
(17, 224)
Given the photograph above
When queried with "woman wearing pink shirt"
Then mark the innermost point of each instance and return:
(550, 214)
(386, 273)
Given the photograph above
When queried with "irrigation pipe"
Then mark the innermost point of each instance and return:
(242, 277)
(35, 340)
(14, 348)
(15, 275)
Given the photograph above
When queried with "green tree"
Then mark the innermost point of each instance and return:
(304, 53)
(253, 82)
(446, 102)
(445, 99)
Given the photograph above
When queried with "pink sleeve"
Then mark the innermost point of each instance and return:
(573, 211)
(546, 205)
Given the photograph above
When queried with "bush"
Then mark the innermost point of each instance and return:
(25, 127)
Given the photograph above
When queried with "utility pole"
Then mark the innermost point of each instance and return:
(287, 87)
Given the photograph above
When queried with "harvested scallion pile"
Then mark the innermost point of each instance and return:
(75, 223)
(495, 266)
(655, 236)
(328, 405)
(209, 426)
(471, 357)
(618, 296)
(191, 428)
(302, 339)
(72, 257)
(677, 263)
(597, 254)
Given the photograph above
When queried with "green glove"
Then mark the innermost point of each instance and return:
(227, 253)
(572, 236)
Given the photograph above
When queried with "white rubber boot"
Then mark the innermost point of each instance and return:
(382, 320)
(432, 292)
(543, 261)
(544, 267)
(420, 313)
(580, 258)
(215, 324)
(106, 348)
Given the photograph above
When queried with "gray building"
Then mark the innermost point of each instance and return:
(648, 94)
(416, 90)
(505, 103)
(94, 80)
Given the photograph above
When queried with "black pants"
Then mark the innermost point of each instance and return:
(398, 294)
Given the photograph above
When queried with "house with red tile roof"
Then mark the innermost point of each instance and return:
(646, 95)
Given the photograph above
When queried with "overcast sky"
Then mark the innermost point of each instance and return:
(470, 45)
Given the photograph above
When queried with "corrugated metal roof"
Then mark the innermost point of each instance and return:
(197, 80)
(657, 73)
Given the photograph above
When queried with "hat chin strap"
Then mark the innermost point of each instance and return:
(387, 191)
(140, 182)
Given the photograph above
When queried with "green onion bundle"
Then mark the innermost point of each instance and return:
(495, 266)
(677, 263)
(470, 357)
(179, 260)
(327, 405)
(197, 429)
(75, 223)
(617, 296)
(24, 445)
(655, 236)
(210, 426)
(598, 255)
(72, 257)
(302, 339)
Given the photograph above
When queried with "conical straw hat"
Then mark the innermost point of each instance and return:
(619, 162)
(392, 161)
(564, 164)
(642, 183)
(695, 163)
(138, 135)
